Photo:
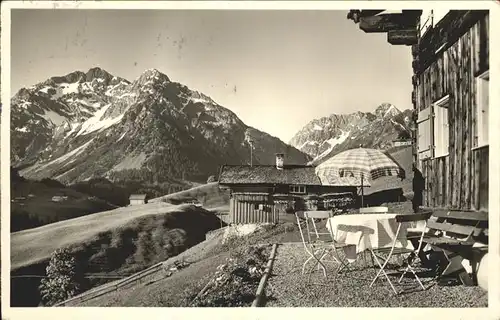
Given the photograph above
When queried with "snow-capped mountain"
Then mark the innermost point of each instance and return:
(324, 137)
(94, 124)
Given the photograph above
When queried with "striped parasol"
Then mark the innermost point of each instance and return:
(359, 164)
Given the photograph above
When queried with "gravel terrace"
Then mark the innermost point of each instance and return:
(287, 287)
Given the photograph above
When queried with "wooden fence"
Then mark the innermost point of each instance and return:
(113, 286)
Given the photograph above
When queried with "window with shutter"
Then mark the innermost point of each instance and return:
(424, 141)
(482, 110)
(441, 127)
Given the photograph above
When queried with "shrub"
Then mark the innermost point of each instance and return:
(63, 279)
(211, 179)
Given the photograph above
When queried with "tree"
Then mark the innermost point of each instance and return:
(63, 279)
(145, 248)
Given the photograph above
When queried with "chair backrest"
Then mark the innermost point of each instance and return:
(318, 214)
(374, 210)
(310, 227)
(413, 217)
(406, 218)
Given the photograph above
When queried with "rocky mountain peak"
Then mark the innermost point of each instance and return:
(98, 73)
(154, 74)
(324, 137)
(151, 78)
(75, 76)
(387, 110)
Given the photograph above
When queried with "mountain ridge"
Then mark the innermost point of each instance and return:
(324, 137)
(92, 124)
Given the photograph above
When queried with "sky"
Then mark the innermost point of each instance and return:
(276, 69)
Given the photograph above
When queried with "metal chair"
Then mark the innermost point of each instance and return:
(318, 244)
(393, 251)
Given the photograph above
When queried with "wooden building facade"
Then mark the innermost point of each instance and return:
(450, 80)
(451, 88)
(264, 193)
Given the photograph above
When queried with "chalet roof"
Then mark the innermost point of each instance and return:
(137, 197)
(268, 174)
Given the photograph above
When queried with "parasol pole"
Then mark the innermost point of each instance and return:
(362, 191)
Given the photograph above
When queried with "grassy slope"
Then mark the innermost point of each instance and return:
(118, 242)
(35, 245)
(208, 195)
(204, 259)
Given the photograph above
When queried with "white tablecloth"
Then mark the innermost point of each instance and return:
(365, 231)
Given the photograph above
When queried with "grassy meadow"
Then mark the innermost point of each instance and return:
(120, 241)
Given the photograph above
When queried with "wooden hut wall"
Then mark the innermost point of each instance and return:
(460, 179)
(248, 208)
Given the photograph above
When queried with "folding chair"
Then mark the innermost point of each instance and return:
(322, 243)
(393, 251)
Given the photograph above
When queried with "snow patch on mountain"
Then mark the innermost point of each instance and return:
(73, 127)
(54, 118)
(96, 122)
(68, 88)
(307, 143)
(126, 94)
(73, 153)
(398, 124)
(110, 91)
(201, 100)
(45, 89)
(64, 174)
(392, 111)
(58, 161)
(333, 142)
(316, 127)
(25, 104)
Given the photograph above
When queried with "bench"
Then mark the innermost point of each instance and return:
(454, 233)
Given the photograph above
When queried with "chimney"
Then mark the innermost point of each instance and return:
(280, 159)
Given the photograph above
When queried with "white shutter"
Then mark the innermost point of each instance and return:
(424, 134)
(482, 109)
(441, 127)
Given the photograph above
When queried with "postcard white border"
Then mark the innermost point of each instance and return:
(492, 312)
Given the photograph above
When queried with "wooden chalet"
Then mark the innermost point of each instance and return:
(263, 193)
(450, 98)
(137, 199)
